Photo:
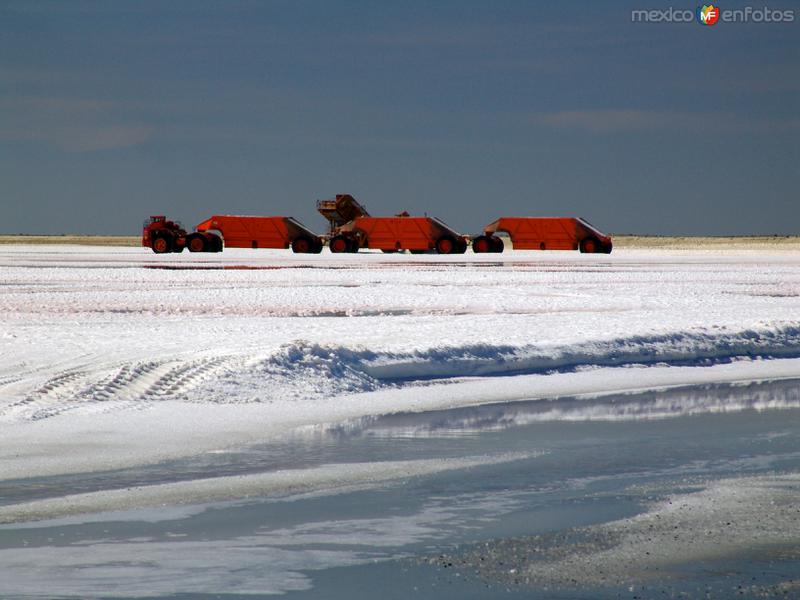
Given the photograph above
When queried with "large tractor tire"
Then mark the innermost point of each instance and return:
(302, 245)
(162, 244)
(589, 245)
(461, 246)
(197, 243)
(338, 244)
(497, 245)
(481, 244)
(445, 245)
(214, 243)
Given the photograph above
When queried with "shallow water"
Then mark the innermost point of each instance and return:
(541, 497)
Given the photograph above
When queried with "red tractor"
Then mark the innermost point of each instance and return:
(164, 236)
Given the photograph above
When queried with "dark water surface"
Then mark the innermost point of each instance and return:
(559, 468)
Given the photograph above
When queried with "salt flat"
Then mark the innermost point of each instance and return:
(138, 388)
(202, 351)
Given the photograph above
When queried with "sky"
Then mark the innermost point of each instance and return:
(113, 111)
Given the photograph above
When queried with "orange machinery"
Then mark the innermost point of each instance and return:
(162, 235)
(262, 232)
(543, 233)
(402, 232)
(340, 210)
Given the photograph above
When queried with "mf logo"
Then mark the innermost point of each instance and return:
(708, 14)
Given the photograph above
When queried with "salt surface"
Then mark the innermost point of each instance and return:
(114, 356)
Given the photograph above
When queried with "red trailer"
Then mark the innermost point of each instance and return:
(543, 233)
(392, 234)
(262, 232)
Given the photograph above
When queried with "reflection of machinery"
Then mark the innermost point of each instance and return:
(543, 233)
(392, 234)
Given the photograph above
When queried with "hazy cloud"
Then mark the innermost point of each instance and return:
(70, 124)
(634, 120)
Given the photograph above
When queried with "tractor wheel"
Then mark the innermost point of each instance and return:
(607, 248)
(316, 246)
(338, 244)
(461, 246)
(445, 245)
(162, 244)
(482, 244)
(352, 246)
(197, 243)
(215, 243)
(302, 245)
(497, 245)
(589, 246)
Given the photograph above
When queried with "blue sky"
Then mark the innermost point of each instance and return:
(112, 111)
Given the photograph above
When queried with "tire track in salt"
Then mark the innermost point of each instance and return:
(129, 386)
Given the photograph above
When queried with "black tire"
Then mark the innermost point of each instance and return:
(197, 243)
(338, 244)
(590, 245)
(317, 246)
(214, 243)
(446, 245)
(497, 245)
(161, 244)
(352, 246)
(461, 246)
(481, 244)
(607, 248)
(302, 245)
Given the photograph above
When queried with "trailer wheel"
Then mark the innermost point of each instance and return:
(445, 245)
(607, 248)
(301, 245)
(497, 245)
(316, 246)
(162, 244)
(197, 243)
(589, 245)
(338, 244)
(482, 244)
(461, 246)
(352, 246)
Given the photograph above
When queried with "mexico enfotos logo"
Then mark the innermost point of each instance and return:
(711, 14)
